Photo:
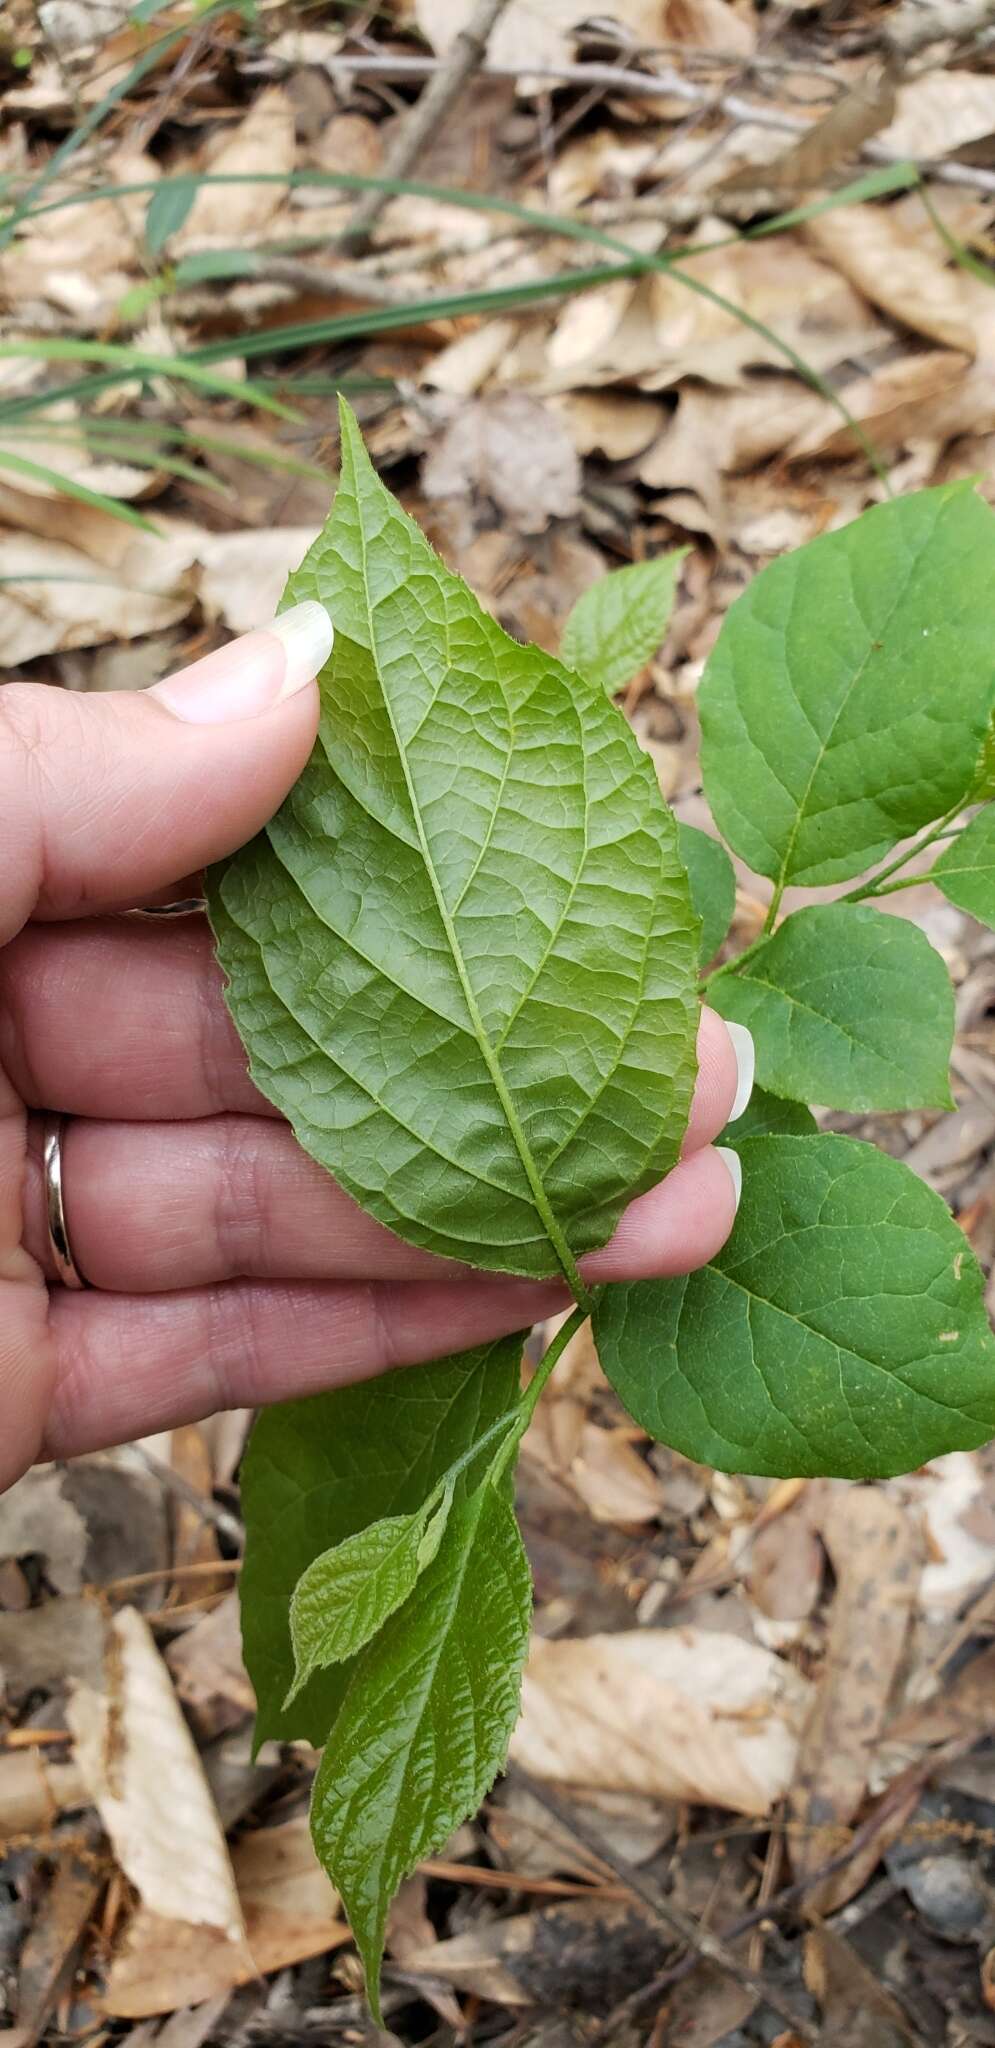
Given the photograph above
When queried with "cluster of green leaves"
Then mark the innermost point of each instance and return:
(464, 959)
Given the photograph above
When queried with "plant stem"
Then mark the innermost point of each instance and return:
(529, 1401)
(901, 860)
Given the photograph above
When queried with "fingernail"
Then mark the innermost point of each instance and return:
(746, 1063)
(734, 1166)
(254, 673)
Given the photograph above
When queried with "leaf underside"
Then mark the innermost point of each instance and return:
(462, 955)
(841, 1330)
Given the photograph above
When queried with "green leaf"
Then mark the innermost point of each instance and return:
(346, 1595)
(416, 945)
(618, 624)
(318, 1471)
(847, 699)
(841, 1330)
(203, 265)
(713, 886)
(168, 208)
(848, 1007)
(424, 1727)
(966, 870)
(766, 1116)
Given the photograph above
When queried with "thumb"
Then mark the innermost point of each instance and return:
(107, 799)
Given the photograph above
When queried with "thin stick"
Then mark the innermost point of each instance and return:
(170, 1571)
(426, 116)
(707, 1946)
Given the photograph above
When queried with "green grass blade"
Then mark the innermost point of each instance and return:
(22, 465)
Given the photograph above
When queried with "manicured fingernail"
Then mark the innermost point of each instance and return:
(746, 1062)
(734, 1166)
(254, 673)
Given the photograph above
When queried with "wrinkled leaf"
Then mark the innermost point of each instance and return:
(317, 1471)
(767, 1116)
(713, 886)
(618, 624)
(424, 1726)
(841, 1330)
(966, 871)
(847, 699)
(416, 944)
(346, 1595)
(848, 1007)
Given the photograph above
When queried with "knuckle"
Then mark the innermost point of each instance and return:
(240, 1198)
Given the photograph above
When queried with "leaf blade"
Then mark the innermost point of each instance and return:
(821, 703)
(347, 1593)
(618, 624)
(847, 1311)
(318, 1470)
(849, 1007)
(430, 1001)
(713, 886)
(965, 872)
(424, 1727)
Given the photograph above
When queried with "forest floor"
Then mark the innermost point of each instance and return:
(757, 1710)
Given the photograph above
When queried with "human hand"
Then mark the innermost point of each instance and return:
(223, 1266)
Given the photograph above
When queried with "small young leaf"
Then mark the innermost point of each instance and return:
(424, 1726)
(848, 1007)
(317, 1471)
(713, 886)
(966, 871)
(841, 1330)
(346, 1595)
(767, 1116)
(415, 946)
(168, 208)
(847, 699)
(618, 624)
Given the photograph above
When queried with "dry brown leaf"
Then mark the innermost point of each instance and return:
(68, 600)
(350, 143)
(857, 2010)
(533, 1843)
(242, 575)
(466, 364)
(49, 1950)
(237, 214)
(585, 1954)
(675, 1713)
(876, 1555)
(38, 1518)
(618, 424)
(602, 1466)
(81, 259)
(859, 113)
(939, 111)
(914, 284)
(933, 397)
(535, 33)
(514, 449)
(210, 1677)
(50, 1645)
(34, 1791)
(290, 1913)
(137, 1758)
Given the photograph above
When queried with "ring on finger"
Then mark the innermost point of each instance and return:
(55, 1208)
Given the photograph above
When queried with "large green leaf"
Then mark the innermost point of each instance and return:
(767, 1116)
(847, 699)
(966, 871)
(424, 1727)
(713, 886)
(317, 1471)
(346, 1595)
(618, 624)
(841, 1330)
(462, 955)
(848, 1007)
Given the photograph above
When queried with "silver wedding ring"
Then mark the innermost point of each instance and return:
(55, 1208)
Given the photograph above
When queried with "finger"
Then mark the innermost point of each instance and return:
(129, 1365)
(122, 1019)
(152, 1207)
(105, 798)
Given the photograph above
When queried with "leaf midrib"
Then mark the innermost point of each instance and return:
(544, 1208)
